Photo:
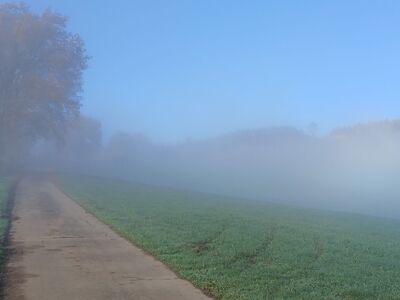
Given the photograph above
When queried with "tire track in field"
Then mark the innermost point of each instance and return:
(251, 256)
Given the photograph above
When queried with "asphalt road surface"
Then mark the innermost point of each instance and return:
(61, 252)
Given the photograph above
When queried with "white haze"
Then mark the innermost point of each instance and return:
(351, 169)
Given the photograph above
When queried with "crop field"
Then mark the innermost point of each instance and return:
(238, 249)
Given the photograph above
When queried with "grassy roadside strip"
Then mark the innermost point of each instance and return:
(7, 193)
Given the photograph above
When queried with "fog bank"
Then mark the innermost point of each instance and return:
(355, 168)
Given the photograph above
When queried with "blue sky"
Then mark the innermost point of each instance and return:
(178, 69)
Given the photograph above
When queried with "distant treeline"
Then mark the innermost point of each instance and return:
(354, 168)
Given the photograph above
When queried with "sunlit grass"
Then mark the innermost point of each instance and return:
(237, 249)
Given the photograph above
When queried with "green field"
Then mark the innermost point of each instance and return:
(237, 249)
(4, 218)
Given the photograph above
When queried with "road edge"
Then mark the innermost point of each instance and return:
(55, 182)
(5, 241)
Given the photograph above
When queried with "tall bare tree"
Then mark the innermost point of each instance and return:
(41, 65)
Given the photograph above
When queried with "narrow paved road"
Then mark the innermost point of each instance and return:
(61, 252)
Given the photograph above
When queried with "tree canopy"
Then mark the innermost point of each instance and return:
(41, 67)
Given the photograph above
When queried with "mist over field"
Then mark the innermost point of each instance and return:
(352, 168)
(160, 150)
(226, 103)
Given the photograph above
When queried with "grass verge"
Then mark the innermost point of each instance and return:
(7, 194)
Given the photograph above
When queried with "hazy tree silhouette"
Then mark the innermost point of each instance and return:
(41, 65)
